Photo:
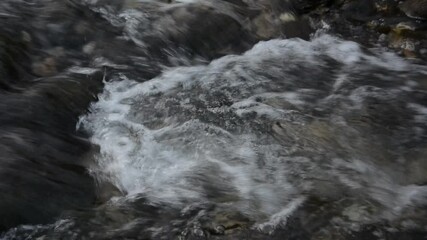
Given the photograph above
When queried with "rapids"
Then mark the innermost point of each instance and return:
(184, 120)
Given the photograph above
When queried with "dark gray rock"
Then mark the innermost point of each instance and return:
(415, 8)
(42, 165)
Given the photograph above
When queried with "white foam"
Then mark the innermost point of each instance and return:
(83, 70)
(281, 217)
(155, 139)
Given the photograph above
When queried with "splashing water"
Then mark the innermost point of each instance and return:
(203, 130)
(260, 132)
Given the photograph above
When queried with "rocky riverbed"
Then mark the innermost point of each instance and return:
(209, 119)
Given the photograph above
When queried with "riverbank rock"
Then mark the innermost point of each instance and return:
(415, 8)
(42, 167)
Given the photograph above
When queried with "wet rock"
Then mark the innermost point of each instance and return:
(359, 10)
(398, 41)
(296, 28)
(386, 8)
(407, 37)
(45, 124)
(45, 68)
(280, 19)
(13, 61)
(230, 221)
(265, 26)
(409, 52)
(385, 25)
(405, 26)
(202, 30)
(415, 8)
(411, 28)
(42, 168)
(106, 191)
(305, 6)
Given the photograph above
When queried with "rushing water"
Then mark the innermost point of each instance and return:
(290, 139)
(262, 131)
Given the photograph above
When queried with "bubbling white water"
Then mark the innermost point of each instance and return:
(208, 133)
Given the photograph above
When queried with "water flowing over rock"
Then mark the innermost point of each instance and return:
(208, 119)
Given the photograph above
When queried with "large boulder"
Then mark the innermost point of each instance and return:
(43, 162)
(415, 8)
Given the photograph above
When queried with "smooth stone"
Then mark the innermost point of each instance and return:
(415, 8)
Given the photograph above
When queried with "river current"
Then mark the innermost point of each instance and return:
(280, 138)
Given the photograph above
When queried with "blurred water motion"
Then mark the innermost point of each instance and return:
(212, 120)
